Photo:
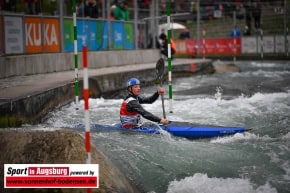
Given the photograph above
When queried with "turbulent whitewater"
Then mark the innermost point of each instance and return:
(251, 162)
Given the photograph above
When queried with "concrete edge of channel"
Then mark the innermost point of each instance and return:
(32, 109)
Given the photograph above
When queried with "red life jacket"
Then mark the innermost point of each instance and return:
(128, 119)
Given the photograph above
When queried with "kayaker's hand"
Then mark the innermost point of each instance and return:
(161, 91)
(164, 121)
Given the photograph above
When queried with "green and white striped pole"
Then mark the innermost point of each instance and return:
(169, 56)
(75, 55)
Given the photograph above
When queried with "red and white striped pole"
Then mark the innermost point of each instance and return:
(203, 41)
(86, 105)
(86, 102)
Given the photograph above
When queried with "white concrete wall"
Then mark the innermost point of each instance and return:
(56, 62)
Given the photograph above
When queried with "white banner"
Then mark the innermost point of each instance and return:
(51, 175)
(268, 44)
(249, 45)
(13, 35)
(279, 44)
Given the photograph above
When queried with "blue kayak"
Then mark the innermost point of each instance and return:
(179, 129)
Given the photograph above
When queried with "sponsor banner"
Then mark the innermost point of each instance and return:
(221, 46)
(83, 34)
(181, 46)
(249, 45)
(279, 44)
(210, 47)
(191, 47)
(102, 35)
(234, 45)
(68, 41)
(268, 44)
(13, 35)
(129, 36)
(51, 175)
(117, 35)
(92, 35)
(33, 35)
(51, 35)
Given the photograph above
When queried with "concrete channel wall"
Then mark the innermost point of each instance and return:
(57, 62)
(27, 99)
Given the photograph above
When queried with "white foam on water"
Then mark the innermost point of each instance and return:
(240, 137)
(202, 183)
(286, 137)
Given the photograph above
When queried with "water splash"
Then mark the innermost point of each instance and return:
(202, 183)
(218, 94)
(241, 137)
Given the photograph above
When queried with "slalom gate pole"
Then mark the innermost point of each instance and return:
(287, 42)
(86, 95)
(75, 55)
(262, 44)
(86, 106)
(203, 42)
(169, 56)
(86, 103)
(235, 45)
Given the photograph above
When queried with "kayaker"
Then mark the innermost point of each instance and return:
(131, 108)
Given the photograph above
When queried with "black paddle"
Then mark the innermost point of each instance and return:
(160, 73)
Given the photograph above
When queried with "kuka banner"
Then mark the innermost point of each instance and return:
(33, 37)
(51, 35)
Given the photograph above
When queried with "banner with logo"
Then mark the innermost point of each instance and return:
(51, 35)
(249, 45)
(117, 35)
(68, 30)
(129, 36)
(222, 46)
(51, 175)
(33, 35)
(102, 35)
(13, 35)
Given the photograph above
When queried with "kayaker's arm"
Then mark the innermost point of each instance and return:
(134, 106)
(148, 100)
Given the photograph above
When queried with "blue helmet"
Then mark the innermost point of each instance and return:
(132, 82)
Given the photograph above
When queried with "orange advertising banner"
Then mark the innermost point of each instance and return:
(51, 35)
(33, 37)
(42, 38)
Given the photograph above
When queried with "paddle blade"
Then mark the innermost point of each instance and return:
(160, 68)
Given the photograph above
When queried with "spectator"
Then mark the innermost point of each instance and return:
(164, 46)
(91, 9)
(184, 34)
(112, 11)
(8, 5)
(257, 14)
(121, 12)
(157, 42)
(248, 8)
(32, 7)
(246, 31)
(235, 32)
(80, 9)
